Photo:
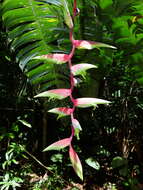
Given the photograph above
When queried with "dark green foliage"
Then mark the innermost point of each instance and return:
(108, 132)
(124, 26)
(33, 28)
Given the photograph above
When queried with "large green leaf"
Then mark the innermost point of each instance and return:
(93, 163)
(31, 27)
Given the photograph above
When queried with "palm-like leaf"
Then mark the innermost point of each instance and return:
(31, 27)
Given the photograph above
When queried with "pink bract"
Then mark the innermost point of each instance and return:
(66, 111)
(59, 144)
(76, 162)
(76, 69)
(57, 57)
(61, 91)
(84, 44)
(55, 93)
(88, 102)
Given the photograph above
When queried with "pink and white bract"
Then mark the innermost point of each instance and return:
(76, 162)
(76, 124)
(55, 93)
(57, 58)
(84, 44)
(88, 102)
(77, 127)
(77, 69)
(80, 68)
(62, 111)
(59, 144)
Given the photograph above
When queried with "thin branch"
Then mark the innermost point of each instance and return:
(40, 163)
(45, 167)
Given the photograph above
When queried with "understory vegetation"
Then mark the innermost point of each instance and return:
(54, 55)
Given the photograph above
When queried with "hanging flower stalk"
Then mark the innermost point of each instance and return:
(76, 69)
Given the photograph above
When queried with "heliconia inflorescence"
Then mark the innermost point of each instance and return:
(76, 69)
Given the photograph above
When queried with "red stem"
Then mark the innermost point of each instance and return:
(74, 8)
(71, 35)
(72, 129)
(72, 52)
(70, 66)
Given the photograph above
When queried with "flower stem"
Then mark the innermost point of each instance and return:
(70, 64)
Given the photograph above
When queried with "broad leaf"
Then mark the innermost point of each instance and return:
(55, 94)
(80, 69)
(118, 162)
(76, 162)
(93, 163)
(55, 58)
(59, 145)
(32, 27)
(83, 44)
(62, 111)
(88, 102)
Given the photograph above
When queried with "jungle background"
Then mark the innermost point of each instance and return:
(111, 142)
